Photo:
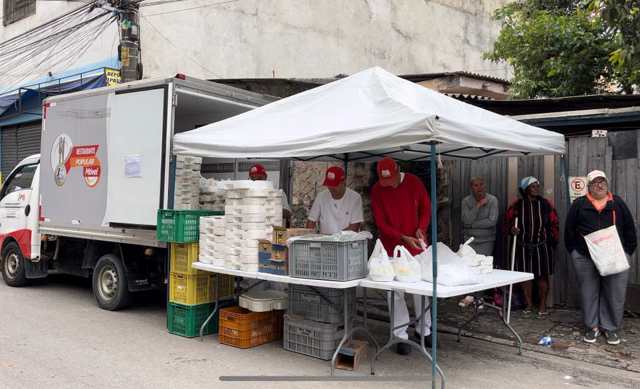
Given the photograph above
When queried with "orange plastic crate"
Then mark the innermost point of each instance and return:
(242, 328)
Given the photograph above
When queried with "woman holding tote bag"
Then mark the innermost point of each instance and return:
(599, 254)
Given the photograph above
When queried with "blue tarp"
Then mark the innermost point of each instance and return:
(25, 106)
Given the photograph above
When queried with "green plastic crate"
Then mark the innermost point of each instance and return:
(185, 320)
(180, 226)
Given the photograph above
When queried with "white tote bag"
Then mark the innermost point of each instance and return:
(405, 266)
(606, 251)
(380, 268)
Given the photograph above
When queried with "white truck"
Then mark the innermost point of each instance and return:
(87, 204)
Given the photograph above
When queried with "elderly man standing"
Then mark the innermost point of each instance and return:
(338, 208)
(602, 296)
(402, 211)
(479, 217)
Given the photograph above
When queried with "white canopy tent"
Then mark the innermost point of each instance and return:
(370, 113)
(365, 116)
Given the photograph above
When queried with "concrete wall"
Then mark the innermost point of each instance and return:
(302, 38)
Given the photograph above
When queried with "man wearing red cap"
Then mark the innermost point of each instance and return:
(338, 208)
(402, 211)
(257, 172)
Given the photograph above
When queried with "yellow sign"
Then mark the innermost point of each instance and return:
(112, 76)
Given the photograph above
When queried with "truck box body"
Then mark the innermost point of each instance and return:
(105, 154)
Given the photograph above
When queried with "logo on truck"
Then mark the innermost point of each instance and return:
(65, 156)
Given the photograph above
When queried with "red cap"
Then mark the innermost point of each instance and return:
(333, 177)
(387, 171)
(257, 171)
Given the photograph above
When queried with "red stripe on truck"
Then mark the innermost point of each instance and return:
(23, 237)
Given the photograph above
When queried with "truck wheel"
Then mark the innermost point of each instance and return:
(110, 283)
(13, 265)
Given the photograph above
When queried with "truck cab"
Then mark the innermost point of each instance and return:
(19, 213)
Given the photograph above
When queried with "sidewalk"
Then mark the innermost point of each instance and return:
(563, 325)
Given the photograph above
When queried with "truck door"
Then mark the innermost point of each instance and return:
(15, 208)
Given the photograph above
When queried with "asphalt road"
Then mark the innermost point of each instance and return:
(52, 335)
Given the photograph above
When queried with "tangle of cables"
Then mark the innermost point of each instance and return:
(53, 46)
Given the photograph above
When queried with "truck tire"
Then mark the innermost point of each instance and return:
(110, 283)
(13, 265)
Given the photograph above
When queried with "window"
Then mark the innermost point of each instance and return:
(14, 10)
(21, 179)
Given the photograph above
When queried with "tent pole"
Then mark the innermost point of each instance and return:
(434, 251)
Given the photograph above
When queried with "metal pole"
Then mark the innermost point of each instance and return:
(434, 264)
(513, 264)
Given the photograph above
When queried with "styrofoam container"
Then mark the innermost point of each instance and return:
(255, 234)
(218, 262)
(249, 184)
(234, 194)
(252, 226)
(252, 243)
(219, 239)
(205, 259)
(258, 193)
(249, 268)
(255, 201)
(253, 218)
(264, 300)
(245, 209)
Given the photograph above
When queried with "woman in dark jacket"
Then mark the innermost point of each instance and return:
(537, 234)
(602, 297)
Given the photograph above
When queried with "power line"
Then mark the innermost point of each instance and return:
(189, 9)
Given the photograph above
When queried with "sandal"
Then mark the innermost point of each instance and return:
(527, 311)
(542, 314)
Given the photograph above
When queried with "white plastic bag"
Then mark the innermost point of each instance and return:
(452, 270)
(606, 251)
(380, 268)
(406, 267)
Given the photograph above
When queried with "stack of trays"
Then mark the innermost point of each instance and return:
(187, 184)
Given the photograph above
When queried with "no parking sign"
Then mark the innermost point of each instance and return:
(577, 187)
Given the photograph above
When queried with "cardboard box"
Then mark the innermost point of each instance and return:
(281, 234)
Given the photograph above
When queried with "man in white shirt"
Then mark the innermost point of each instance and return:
(338, 208)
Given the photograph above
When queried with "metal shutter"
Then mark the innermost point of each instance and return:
(17, 143)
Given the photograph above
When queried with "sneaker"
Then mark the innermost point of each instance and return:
(612, 337)
(403, 349)
(591, 336)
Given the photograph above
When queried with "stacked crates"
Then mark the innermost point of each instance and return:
(191, 292)
(314, 323)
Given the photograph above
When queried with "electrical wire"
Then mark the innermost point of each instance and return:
(191, 8)
(55, 45)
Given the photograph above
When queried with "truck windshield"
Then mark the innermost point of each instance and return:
(20, 179)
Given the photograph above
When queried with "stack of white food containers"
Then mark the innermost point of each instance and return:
(212, 240)
(248, 208)
(187, 191)
(212, 194)
(274, 217)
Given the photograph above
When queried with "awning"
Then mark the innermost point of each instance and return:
(363, 116)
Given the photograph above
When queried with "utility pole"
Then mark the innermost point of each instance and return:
(129, 48)
(129, 32)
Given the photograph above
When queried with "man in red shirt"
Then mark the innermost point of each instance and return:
(402, 211)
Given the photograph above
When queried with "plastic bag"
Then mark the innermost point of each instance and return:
(380, 268)
(406, 267)
(452, 270)
(606, 251)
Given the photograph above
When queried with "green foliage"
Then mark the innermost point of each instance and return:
(622, 19)
(569, 47)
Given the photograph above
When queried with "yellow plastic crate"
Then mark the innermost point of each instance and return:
(198, 289)
(182, 255)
